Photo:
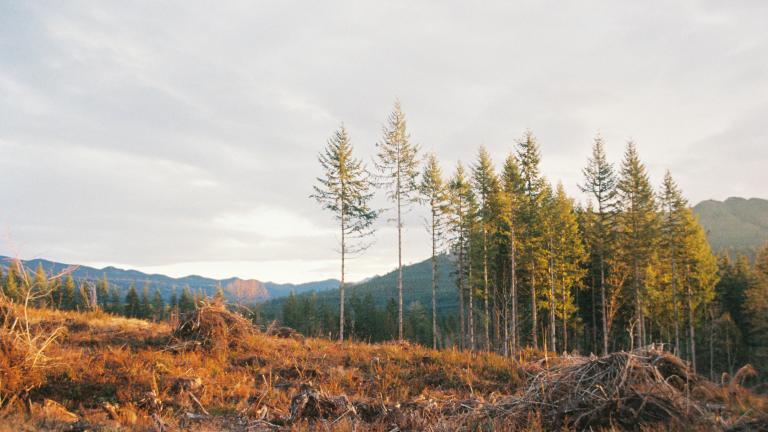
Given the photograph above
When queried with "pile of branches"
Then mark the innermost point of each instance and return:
(215, 328)
(626, 390)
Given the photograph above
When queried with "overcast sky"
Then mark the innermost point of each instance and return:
(182, 137)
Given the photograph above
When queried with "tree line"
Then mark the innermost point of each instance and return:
(629, 267)
(64, 293)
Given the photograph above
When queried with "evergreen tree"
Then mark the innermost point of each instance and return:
(40, 285)
(173, 303)
(291, 312)
(568, 258)
(533, 253)
(102, 292)
(600, 183)
(12, 288)
(219, 296)
(115, 305)
(69, 298)
(756, 312)
(512, 199)
(397, 163)
(158, 306)
(83, 299)
(146, 304)
(637, 230)
(699, 276)
(186, 301)
(463, 214)
(486, 185)
(673, 229)
(132, 303)
(433, 189)
(345, 190)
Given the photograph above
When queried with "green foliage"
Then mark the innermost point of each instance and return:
(132, 303)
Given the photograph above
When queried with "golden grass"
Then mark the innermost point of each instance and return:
(114, 372)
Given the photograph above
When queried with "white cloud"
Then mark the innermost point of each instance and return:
(182, 135)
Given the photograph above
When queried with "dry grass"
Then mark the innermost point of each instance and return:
(215, 372)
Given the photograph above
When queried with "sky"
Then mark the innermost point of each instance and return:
(182, 137)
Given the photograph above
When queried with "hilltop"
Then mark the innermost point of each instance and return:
(213, 370)
(736, 225)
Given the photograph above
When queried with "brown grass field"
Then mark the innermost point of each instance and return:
(70, 371)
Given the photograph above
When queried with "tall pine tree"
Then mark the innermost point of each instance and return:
(345, 190)
(398, 166)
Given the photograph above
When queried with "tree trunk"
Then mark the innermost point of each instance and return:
(552, 304)
(565, 317)
(604, 305)
(534, 319)
(674, 303)
(513, 289)
(399, 266)
(638, 305)
(471, 308)
(434, 281)
(341, 284)
(462, 327)
(486, 317)
(691, 327)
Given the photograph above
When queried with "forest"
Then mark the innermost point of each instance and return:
(531, 268)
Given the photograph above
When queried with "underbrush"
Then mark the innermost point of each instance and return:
(214, 371)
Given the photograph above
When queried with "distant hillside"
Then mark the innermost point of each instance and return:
(736, 225)
(235, 289)
(417, 283)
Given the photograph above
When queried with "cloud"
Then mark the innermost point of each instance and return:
(185, 136)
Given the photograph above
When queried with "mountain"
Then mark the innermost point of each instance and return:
(736, 225)
(235, 289)
(417, 287)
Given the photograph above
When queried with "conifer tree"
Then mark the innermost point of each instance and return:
(69, 299)
(568, 259)
(512, 198)
(158, 306)
(756, 311)
(146, 304)
(173, 302)
(102, 292)
(83, 300)
(531, 233)
(115, 305)
(673, 230)
(486, 185)
(700, 275)
(463, 210)
(132, 303)
(434, 191)
(600, 183)
(186, 301)
(219, 295)
(40, 284)
(12, 282)
(398, 167)
(637, 230)
(345, 190)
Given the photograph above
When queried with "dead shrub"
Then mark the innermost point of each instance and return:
(215, 328)
(628, 390)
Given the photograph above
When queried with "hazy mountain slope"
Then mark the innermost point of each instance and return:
(737, 225)
(235, 289)
(417, 286)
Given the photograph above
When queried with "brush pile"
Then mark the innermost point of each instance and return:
(624, 390)
(215, 328)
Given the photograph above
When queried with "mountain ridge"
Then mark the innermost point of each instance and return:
(235, 289)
